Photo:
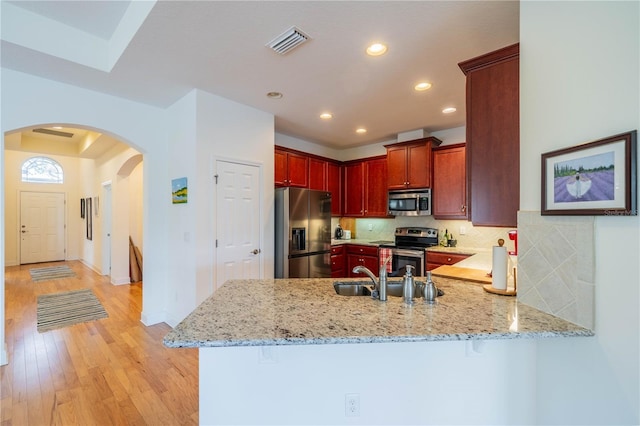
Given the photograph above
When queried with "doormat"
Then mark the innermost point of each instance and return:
(60, 310)
(51, 273)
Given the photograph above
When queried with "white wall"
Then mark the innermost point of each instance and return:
(426, 383)
(205, 127)
(579, 65)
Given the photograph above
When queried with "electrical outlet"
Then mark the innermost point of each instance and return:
(352, 405)
(463, 230)
(371, 227)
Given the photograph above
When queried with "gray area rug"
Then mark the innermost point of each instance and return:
(51, 273)
(68, 308)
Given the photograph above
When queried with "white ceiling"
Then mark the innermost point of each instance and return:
(172, 47)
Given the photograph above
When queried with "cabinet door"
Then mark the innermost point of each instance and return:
(353, 189)
(298, 168)
(419, 165)
(449, 190)
(318, 174)
(280, 168)
(397, 167)
(493, 131)
(376, 188)
(334, 185)
(369, 262)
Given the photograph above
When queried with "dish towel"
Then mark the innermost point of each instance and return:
(384, 254)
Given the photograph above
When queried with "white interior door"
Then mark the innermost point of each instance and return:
(238, 213)
(105, 211)
(42, 227)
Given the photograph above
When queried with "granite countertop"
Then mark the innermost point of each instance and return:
(308, 311)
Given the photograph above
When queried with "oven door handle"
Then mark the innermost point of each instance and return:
(405, 252)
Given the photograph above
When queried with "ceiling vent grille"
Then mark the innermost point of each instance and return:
(53, 132)
(288, 40)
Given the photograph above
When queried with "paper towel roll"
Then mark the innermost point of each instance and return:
(499, 269)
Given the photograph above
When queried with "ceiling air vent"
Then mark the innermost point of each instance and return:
(53, 132)
(288, 40)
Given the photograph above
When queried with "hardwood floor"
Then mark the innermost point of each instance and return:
(113, 371)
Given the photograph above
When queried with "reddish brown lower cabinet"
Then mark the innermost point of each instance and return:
(338, 262)
(366, 256)
(435, 259)
(449, 192)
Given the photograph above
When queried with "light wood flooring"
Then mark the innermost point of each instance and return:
(113, 371)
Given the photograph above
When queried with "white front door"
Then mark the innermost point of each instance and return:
(238, 223)
(41, 227)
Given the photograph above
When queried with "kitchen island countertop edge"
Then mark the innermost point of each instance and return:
(308, 312)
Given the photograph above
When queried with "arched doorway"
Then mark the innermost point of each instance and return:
(90, 159)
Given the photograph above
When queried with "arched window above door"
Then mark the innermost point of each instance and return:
(42, 170)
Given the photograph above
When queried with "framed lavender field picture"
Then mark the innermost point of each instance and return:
(596, 178)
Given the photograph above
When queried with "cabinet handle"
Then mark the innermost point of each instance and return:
(448, 259)
(463, 207)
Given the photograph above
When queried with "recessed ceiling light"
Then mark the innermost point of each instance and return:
(422, 86)
(274, 95)
(361, 130)
(376, 49)
(449, 110)
(57, 127)
(326, 115)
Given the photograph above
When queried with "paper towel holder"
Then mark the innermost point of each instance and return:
(489, 288)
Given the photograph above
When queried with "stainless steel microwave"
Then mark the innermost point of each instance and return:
(409, 203)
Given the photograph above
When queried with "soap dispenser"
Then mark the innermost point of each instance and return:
(430, 290)
(408, 286)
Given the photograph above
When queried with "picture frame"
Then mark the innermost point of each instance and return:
(596, 178)
(89, 220)
(179, 191)
(82, 208)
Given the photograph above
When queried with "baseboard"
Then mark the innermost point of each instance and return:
(120, 280)
(11, 263)
(90, 266)
(153, 318)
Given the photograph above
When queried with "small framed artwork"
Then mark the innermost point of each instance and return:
(596, 178)
(179, 190)
(82, 208)
(89, 220)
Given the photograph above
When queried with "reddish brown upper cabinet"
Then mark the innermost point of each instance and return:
(449, 191)
(365, 191)
(291, 169)
(409, 163)
(326, 175)
(493, 137)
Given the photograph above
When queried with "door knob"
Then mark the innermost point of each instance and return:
(255, 251)
(24, 232)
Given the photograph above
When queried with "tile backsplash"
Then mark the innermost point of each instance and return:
(556, 265)
(473, 237)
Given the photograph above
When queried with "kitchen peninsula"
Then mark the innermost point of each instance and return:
(308, 311)
(296, 352)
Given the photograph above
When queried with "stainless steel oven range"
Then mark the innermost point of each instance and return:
(409, 249)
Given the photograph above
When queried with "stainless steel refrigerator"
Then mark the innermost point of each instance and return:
(303, 233)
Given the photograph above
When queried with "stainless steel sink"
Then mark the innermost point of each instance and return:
(352, 288)
(361, 288)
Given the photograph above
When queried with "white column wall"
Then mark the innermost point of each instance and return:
(579, 65)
